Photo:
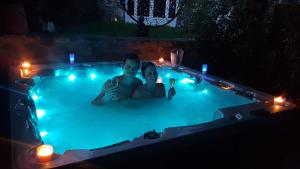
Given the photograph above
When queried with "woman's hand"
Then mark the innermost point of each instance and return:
(171, 93)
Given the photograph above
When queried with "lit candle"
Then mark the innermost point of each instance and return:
(279, 101)
(204, 68)
(72, 58)
(44, 153)
(25, 69)
(227, 87)
(161, 60)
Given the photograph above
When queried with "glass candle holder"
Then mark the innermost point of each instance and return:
(44, 153)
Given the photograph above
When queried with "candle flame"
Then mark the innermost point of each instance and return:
(227, 87)
(44, 150)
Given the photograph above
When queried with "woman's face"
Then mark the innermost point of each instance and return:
(150, 74)
(130, 68)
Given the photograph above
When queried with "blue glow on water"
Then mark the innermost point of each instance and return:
(40, 113)
(159, 79)
(71, 77)
(187, 81)
(67, 110)
(43, 133)
(72, 58)
(57, 73)
(34, 97)
(93, 76)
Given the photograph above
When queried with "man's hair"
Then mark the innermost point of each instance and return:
(132, 56)
(145, 65)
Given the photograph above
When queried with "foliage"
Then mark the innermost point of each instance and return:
(244, 29)
(70, 12)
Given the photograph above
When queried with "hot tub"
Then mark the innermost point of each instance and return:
(59, 98)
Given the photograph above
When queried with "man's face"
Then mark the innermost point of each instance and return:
(130, 67)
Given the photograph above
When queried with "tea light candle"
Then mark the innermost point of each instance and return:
(161, 60)
(204, 68)
(25, 69)
(279, 101)
(45, 153)
(72, 58)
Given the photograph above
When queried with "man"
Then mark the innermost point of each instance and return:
(121, 87)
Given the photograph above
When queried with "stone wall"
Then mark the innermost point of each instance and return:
(42, 49)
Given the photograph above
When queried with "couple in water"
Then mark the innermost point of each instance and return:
(128, 86)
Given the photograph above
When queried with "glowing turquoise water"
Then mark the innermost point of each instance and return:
(68, 120)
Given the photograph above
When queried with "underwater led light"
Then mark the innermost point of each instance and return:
(71, 77)
(72, 58)
(204, 91)
(168, 75)
(57, 73)
(40, 113)
(34, 97)
(204, 68)
(43, 133)
(159, 79)
(187, 80)
(93, 76)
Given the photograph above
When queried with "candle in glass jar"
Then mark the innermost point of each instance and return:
(45, 153)
(25, 69)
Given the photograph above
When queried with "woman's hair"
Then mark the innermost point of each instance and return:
(145, 65)
(131, 56)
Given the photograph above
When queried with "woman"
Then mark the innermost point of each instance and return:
(151, 89)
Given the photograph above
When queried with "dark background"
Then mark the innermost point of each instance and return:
(259, 47)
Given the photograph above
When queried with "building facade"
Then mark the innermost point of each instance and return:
(155, 12)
